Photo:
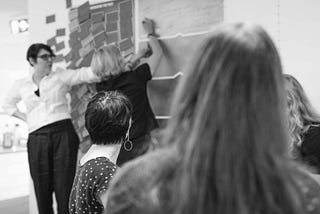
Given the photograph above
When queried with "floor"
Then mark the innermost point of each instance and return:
(14, 182)
(15, 206)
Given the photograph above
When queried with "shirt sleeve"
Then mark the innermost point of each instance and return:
(78, 76)
(11, 99)
(143, 72)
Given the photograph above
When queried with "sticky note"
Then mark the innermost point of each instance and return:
(50, 19)
(60, 46)
(112, 27)
(61, 32)
(112, 37)
(68, 3)
(52, 41)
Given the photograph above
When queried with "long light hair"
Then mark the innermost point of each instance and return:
(107, 62)
(302, 115)
(228, 120)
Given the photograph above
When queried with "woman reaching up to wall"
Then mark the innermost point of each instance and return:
(110, 65)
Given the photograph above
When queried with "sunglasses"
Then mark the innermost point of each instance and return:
(46, 57)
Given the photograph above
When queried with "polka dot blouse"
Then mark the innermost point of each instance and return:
(90, 181)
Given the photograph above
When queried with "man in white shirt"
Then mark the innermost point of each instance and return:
(52, 142)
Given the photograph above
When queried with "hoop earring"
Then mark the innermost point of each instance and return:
(128, 145)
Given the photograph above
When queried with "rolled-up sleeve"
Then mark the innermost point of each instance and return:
(78, 76)
(12, 98)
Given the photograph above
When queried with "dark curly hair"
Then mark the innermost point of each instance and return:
(107, 117)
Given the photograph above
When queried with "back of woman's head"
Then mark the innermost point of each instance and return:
(107, 117)
(301, 113)
(228, 121)
(107, 62)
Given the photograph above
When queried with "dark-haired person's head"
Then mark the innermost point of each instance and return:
(33, 52)
(108, 118)
(228, 121)
(40, 57)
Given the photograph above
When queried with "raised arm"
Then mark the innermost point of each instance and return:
(157, 53)
(135, 60)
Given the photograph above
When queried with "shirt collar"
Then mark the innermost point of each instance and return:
(31, 72)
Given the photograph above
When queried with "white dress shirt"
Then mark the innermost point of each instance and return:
(52, 105)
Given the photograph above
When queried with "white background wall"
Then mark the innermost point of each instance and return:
(300, 44)
(12, 47)
(295, 27)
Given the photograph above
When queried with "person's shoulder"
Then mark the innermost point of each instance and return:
(104, 165)
(143, 66)
(23, 83)
(313, 133)
(146, 167)
(315, 128)
(310, 189)
(141, 179)
(151, 159)
(98, 165)
(304, 179)
(107, 164)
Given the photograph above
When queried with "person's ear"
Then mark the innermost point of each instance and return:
(32, 61)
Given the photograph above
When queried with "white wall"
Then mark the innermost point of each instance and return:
(295, 27)
(13, 48)
(262, 12)
(300, 44)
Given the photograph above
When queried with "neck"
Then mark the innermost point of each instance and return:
(109, 151)
(37, 76)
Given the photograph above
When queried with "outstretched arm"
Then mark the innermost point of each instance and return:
(77, 76)
(157, 53)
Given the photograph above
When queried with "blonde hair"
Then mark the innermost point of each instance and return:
(300, 111)
(107, 62)
(228, 121)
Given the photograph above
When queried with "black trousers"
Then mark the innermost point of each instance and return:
(52, 155)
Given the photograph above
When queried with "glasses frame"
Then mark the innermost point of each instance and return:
(46, 57)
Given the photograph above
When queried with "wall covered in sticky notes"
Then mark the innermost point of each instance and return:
(74, 29)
